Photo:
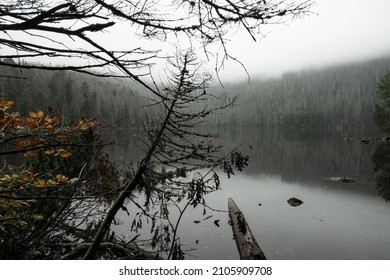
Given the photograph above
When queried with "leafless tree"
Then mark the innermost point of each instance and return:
(175, 138)
(67, 29)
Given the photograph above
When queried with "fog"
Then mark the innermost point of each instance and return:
(336, 32)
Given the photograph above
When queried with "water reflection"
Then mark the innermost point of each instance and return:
(332, 223)
(381, 160)
(304, 156)
(336, 220)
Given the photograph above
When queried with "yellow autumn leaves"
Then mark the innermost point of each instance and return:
(57, 152)
(26, 178)
(37, 133)
(16, 182)
(34, 132)
(64, 153)
(12, 122)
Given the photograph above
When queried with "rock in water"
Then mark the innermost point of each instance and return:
(294, 201)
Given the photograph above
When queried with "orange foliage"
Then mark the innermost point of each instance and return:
(27, 135)
(37, 130)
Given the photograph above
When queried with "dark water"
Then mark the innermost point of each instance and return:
(336, 221)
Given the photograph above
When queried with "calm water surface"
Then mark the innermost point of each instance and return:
(336, 221)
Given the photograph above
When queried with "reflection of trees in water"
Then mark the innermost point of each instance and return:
(382, 153)
(381, 160)
(296, 155)
(300, 156)
(126, 148)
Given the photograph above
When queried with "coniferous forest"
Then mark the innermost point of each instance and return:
(335, 97)
(73, 95)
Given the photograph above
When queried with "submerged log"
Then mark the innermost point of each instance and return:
(247, 245)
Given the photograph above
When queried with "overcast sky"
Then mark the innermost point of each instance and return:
(340, 31)
(337, 31)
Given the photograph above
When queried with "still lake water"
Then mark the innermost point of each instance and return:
(336, 220)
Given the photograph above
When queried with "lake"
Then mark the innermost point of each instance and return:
(336, 220)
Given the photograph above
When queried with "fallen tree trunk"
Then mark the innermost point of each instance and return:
(247, 245)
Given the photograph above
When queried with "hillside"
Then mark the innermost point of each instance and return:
(339, 96)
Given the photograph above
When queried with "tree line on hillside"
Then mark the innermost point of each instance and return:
(73, 95)
(335, 97)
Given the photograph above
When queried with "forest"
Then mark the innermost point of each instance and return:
(333, 97)
(73, 95)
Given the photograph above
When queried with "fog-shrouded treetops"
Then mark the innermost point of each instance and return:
(334, 97)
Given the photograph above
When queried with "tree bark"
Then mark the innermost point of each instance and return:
(247, 245)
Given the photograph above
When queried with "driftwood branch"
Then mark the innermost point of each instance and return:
(246, 243)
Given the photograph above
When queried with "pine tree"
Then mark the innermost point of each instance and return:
(382, 110)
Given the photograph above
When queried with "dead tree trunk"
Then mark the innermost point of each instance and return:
(247, 245)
